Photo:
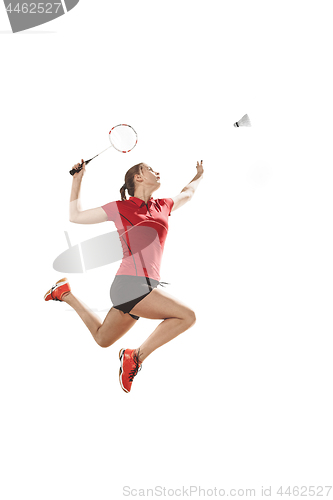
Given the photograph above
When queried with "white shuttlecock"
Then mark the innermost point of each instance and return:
(243, 122)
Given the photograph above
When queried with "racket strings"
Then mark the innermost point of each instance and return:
(123, 138)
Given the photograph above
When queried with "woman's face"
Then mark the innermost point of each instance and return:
(150, 177)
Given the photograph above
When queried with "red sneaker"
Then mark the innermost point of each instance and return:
(58, 290)
(129, 367)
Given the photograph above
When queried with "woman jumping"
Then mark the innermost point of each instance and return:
(142, 225)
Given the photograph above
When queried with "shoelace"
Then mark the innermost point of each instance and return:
(136, 368)
(54, 298)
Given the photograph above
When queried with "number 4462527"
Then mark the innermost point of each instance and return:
(305, 491)
(34, 8)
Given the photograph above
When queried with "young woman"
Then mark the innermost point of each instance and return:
(142, 225)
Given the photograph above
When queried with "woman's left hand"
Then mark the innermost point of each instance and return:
(200, 169)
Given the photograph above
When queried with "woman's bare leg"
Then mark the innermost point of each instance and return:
(115, 325)
(177, 318)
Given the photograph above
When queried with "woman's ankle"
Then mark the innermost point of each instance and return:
(139, 354)
(66, 296)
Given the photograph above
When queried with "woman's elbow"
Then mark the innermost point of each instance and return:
(73, 218)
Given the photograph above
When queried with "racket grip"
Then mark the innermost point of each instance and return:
(73, 171)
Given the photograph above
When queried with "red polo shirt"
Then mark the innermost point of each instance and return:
(142, 230)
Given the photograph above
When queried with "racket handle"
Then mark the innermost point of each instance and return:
(74, 170)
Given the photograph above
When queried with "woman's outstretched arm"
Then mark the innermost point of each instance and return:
(76, 214)
(188, 191)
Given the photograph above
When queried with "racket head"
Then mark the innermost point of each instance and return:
(123, 138)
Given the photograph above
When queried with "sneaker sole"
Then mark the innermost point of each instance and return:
(59, 283)
(121, 356)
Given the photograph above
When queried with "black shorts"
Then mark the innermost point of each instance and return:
(126, 291)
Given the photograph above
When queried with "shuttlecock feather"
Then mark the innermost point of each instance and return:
(243, 122)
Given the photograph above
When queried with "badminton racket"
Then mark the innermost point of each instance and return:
(122, 137)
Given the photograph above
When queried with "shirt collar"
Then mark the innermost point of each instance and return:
(140, 202)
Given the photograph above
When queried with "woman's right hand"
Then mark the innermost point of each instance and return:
(80, 174)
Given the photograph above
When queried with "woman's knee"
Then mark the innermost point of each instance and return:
(102, 343)
(102, 339)
(190, 317)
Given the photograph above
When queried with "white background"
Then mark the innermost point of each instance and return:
(243, 399)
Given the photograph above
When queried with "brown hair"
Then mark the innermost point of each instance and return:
(129, 181)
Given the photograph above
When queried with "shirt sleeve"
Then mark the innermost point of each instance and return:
(168, 202)
(111, 210)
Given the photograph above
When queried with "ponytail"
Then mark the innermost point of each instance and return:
(122, 192)
(129, 181)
